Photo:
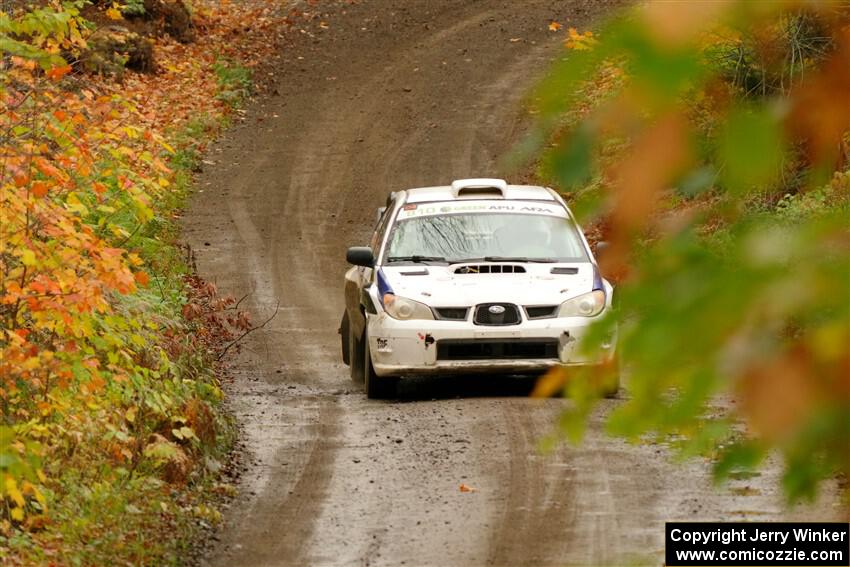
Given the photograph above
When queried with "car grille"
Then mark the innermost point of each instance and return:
(541, 311)
(477, 349)
(452, 313)
(490, 269)
(509, 314)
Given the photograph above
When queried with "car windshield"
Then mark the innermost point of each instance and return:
(485, 237)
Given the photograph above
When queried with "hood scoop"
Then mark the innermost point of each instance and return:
(490, 269)
(564, 271)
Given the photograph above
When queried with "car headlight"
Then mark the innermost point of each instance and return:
(405, 309)
(586, 305)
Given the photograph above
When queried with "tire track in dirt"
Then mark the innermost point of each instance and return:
(536, 502)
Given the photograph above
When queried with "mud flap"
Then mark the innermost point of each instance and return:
(343, 336)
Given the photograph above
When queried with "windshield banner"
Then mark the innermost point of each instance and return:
(461, 207)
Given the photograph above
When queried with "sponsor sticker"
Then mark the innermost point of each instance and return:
(467, 207)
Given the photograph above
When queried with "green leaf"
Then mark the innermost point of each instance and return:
(570, 164)
(750, 149)
(742, 456)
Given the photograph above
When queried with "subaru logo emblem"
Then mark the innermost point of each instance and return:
(496, 309)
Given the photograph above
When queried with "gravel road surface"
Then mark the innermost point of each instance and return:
(388, 95)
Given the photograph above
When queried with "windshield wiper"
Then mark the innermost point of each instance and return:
(504, 259)
(416, 258)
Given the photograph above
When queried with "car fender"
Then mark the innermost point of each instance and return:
(358, 300)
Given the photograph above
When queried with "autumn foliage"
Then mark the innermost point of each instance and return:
(707, 144)
(107, 344)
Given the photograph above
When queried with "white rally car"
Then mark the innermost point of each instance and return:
(479, 276)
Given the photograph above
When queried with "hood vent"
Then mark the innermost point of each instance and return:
(564, 271)
(478, 188)
(490, 269)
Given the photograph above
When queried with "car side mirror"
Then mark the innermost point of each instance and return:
(360, 256)
(601, 247)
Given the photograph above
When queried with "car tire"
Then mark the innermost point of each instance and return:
(355, 357)
(377, 387)
(612, 378)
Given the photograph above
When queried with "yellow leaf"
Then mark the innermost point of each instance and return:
(13, 492)
(30, 488)
(18, 514)
(124, 150)
(73, 204)
(579, 41)
(28, 258)
(41, 499)
(114, 13)
(130, 414)
(118, 231)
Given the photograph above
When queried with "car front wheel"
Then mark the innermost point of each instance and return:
(377, 387)
(355, 355)
(611, 377)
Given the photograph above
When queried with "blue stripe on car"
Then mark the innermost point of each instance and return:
(597, 280)
(383, 285)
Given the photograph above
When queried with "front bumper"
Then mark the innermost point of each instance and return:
(403, 348)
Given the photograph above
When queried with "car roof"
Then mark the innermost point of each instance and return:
(464, 189)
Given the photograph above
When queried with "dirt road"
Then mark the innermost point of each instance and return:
(392, 95)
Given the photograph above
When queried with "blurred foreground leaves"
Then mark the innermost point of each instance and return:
(707, 144)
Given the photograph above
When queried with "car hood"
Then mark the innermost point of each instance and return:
(448, 286)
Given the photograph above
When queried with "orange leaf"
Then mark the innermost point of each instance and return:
(141, 278)
(554, 26)
(39, 188)
(550, 383)
(465, 488)
(48, 169)
(57, 73)
(779, 396)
